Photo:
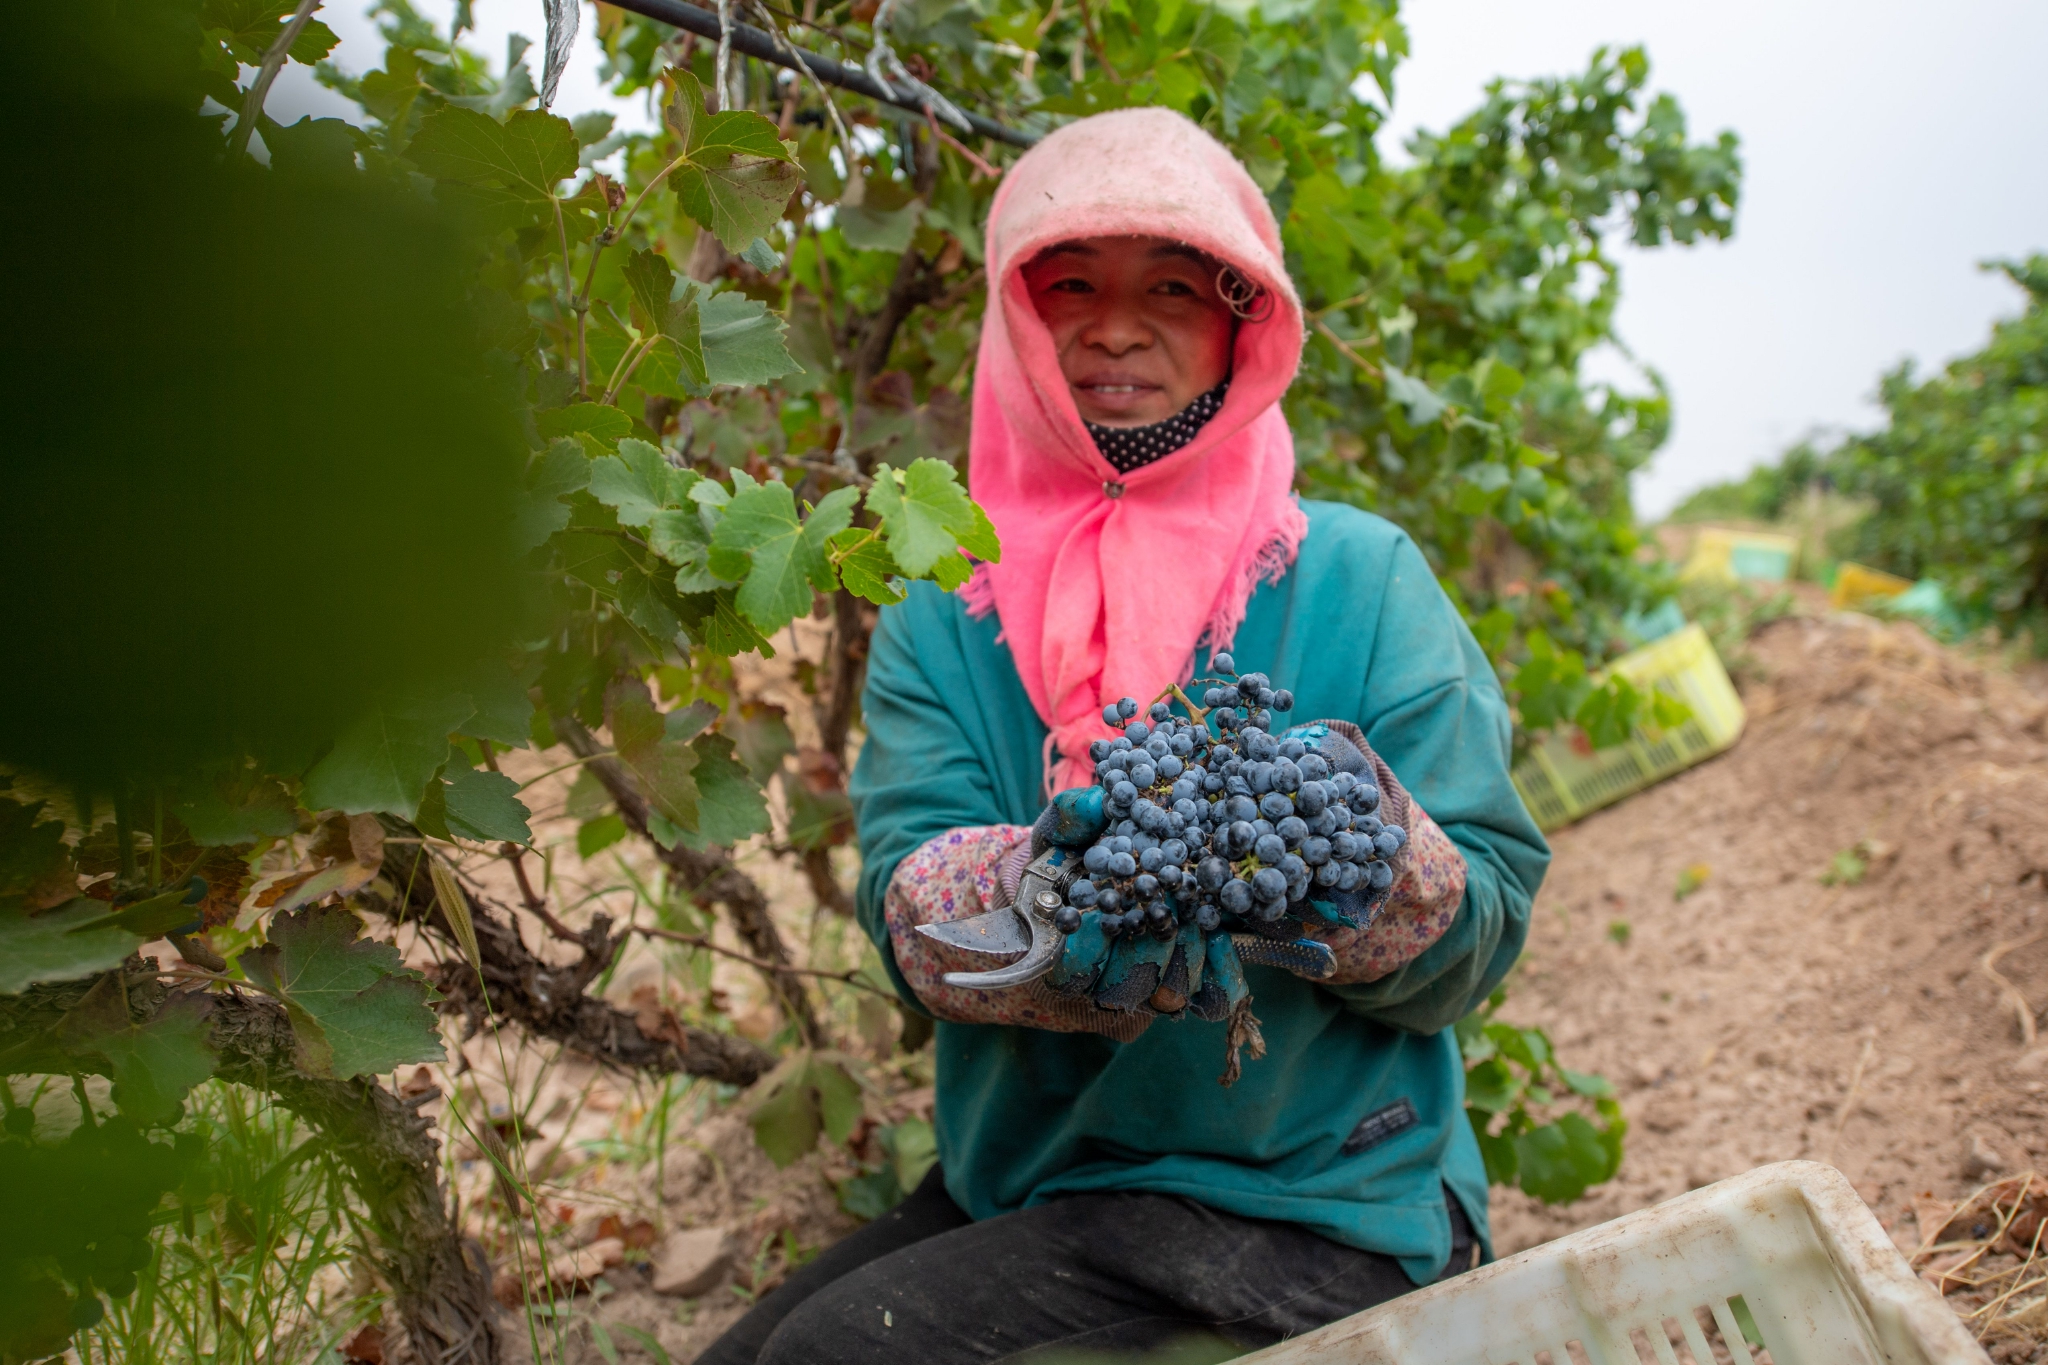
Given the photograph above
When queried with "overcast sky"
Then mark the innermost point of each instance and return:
(1887, 149)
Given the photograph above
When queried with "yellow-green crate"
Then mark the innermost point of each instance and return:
(1564, 778)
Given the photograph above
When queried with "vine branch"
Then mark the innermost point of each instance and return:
(259, 90)
(850, 978)
(710, 876)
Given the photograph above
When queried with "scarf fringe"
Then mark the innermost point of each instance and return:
(978, 593)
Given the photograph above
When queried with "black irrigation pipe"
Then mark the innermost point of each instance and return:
(757, 44)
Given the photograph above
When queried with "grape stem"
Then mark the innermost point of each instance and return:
(1198, 713)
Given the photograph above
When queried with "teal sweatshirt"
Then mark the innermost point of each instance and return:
(1360, 630)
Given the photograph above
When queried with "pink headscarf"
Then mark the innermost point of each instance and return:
(1102, 596)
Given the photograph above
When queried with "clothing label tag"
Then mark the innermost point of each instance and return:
(1380, 1125)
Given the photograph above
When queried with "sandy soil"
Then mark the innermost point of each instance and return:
(1886, 1026)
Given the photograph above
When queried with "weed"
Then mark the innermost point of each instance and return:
(256, 1257)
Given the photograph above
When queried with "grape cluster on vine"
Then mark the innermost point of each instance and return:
(1215, 821)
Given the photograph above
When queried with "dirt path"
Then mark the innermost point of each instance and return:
(1769, 1016)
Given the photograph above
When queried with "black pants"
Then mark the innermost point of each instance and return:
(1089, 1274)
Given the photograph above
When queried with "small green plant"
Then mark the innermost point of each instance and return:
(243, 1254)
(1691, 878)
(1513, 1087)
(1847, 868)
(1619, 932)
(908, 1150)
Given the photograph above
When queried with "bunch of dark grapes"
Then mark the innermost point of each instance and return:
(1218, 823)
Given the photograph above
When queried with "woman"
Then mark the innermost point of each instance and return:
(1098, 1189)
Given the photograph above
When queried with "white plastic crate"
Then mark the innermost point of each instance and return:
(1821, 1281)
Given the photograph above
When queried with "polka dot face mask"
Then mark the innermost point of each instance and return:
(1130, 448)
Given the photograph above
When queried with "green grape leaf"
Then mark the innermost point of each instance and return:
(1492, 1087)
(1496, 1150)
(231, 810)
(914, 1149)
(833, 514)
(737, 132)
(432, 815)
(638, 482)
(534, 519)
(685, 723)
(1667, 711)
(743, 343)
(683, 325)
(979, 539)
(663, 767)
(784, 1115)
(760, 736)
(652, 282)
(148, 919)
(529, 154)
(504, 711)
(1551, 685)
(740, 174)
(866, 566)
(562, 468)
(924, 512)
(1528, 1046)
(596, 420)
(484, 806)
(43, 947)
(685, 111)
(730, 804)
(249, 27)
(595, 836)
(1609, 713)
(651, 279)
(839, 1102)
(1422, 403)
(156, 1066)
(355, 1008)
(725, 631)
(817, 819)
(651, 603)
(952, 571)
(1586, 1083)
(313, 147)
(807, 1094)
(870, 1194)
(761, 543)
(599, 560)
(1558, 1161)
(867, 228)
(384, 761)
(630, 714)
(680, 538)
(738, 201)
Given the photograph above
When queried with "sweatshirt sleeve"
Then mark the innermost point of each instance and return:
(1432, 708)
(927, 764)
